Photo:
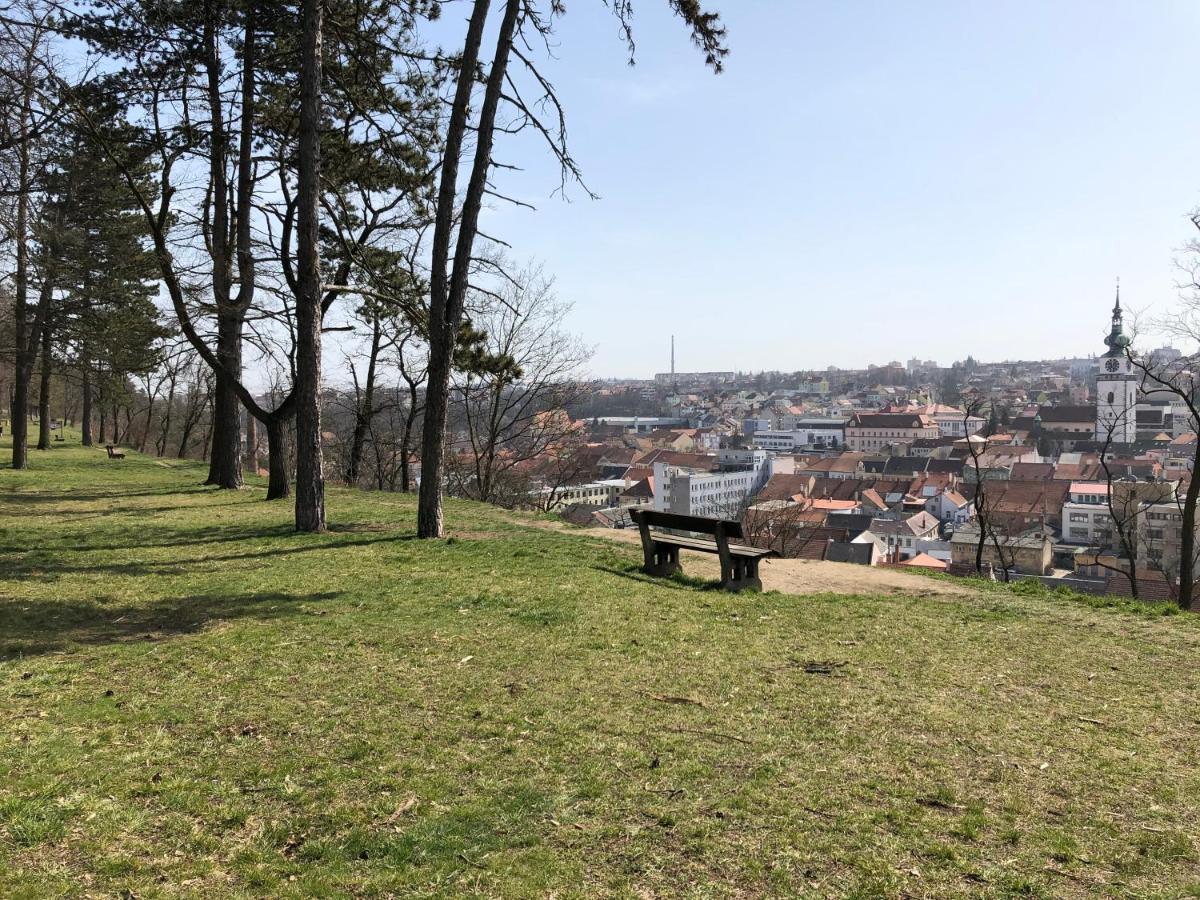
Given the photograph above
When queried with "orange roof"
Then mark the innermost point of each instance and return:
(833, 504)
(925, 561)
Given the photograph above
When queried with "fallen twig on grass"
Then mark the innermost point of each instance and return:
(667, 698)
(712, 734)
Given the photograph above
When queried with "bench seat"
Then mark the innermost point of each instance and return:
(739, 562)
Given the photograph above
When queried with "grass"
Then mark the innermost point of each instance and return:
(194, 701)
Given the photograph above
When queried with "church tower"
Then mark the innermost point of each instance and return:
(1116, 386)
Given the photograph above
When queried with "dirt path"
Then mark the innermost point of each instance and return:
(803, 576)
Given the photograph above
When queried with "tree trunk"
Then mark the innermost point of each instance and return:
(44, 391)
(405, 451)
(1187, 544)
(310, 480)
(164, 429)
(20, 418)
(22, 365)
(447, 299)
(251, 443)
(279, 485)
(364, 411)
(225, 460)
(86, 418)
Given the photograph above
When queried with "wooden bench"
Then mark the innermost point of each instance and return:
(739, 563)
(112, 452)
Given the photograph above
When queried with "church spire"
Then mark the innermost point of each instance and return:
(1117, 340)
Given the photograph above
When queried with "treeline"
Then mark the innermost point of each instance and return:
(215, 187)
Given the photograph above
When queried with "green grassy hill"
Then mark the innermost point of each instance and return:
(197, 701)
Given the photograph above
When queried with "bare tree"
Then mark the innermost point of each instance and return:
(1125, 506)
(1179, 379)
(986, 519)
(456, 222)
(516, 413)
(26, 114)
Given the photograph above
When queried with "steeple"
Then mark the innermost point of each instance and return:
(1117, 340)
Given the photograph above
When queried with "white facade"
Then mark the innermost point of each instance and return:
(778, 441)
(1116, 401)
(1086, 518)
(595, 493)
(716, 495)
(1116, 388)
(957, 424)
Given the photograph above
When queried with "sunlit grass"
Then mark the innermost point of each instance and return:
(197, 701)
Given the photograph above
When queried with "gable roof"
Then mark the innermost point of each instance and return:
(859, 554)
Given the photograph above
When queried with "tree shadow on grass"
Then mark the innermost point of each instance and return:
(51, 565)
(37, 497)
(677, 582)
(35, 627)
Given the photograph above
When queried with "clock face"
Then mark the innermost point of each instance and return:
(1113, 365)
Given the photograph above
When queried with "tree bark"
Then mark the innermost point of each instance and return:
(23, 328)
(86, 417)
(446, 299)
(251, 443)
(1187, 543)
(279, 485)
(44, 391)
(225, 460)
(310, 479)
(365, 409)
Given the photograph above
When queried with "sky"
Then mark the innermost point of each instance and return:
(866, 181)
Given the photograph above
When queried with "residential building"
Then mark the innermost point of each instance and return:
(1031, 553)
(875, 431)
(718, 494)
(1085, 516)
(899, 536)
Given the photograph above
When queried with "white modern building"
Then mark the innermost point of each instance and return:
(1085, 516)
(717, 495)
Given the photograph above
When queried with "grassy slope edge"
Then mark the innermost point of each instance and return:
(196, 701)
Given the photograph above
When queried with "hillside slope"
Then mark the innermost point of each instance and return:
(196, 701)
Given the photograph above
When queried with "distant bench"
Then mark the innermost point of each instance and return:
(739, 563)
(112, 452)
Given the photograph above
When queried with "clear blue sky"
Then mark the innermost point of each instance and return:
(867, 180)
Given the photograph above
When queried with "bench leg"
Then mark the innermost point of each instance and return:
(666, 561)
(745, 575)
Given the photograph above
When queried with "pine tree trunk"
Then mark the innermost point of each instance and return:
(279, 485)
(23, 368)
(44, 391)
(225, 459)
(86, 418)
(429, 494)
(448, 289)
(310, 479)
(20, 418)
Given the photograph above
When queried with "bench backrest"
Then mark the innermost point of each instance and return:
(697, 524)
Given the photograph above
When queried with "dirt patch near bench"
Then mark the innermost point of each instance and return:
(802, 576)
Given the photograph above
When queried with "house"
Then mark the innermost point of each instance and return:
(875, 431)
(1085, 515)
(863, 553)
(949, 507)
(899, 536)
(1031, 553)
(925, 561)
